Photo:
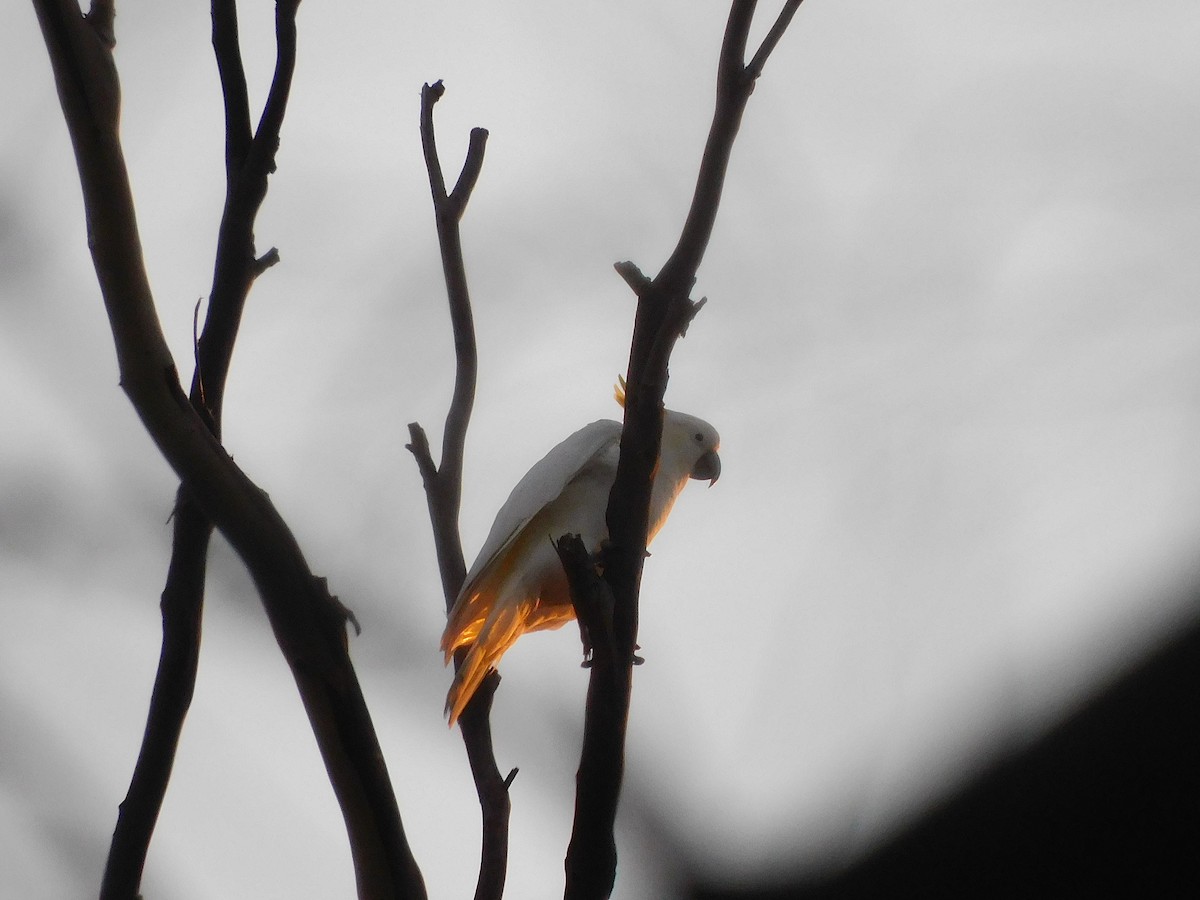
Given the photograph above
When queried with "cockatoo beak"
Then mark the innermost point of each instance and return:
(708, 467)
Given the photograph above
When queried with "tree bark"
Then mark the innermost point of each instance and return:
(443, 488)
(308, 622)
(664, 311)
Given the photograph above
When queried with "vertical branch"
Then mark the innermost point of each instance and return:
(664, 311)
(249, 160)
(308, 622)
(182, 600)
(448, 209)
(174, 683)
(443, 486)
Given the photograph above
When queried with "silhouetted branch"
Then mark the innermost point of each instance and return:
(443, 487)
(228, 53)
(663, 313)
(249, 160)
(181, 606)
(754, 69)
(308, 622)
(100, 17)
(591, 599)
(633, 276)
(182, 599)
(448, 210)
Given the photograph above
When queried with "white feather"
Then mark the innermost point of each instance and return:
(517, 583)
(543, 484)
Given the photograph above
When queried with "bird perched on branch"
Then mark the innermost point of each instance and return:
(517, 583)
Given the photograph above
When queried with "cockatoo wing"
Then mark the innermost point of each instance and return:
(516, 584)
(542, 485)
(507, 546)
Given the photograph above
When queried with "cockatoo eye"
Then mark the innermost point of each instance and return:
(699, 437)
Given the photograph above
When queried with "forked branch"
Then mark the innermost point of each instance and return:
(183, 595)
(309, 623)
(664, 311)
(443, 486)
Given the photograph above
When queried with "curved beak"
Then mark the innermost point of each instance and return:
(707, 468)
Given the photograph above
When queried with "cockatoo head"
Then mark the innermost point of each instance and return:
(695, 441)
(686, 438)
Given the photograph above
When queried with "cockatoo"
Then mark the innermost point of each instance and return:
(517, 583)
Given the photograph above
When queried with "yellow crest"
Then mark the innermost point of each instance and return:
(619, 391)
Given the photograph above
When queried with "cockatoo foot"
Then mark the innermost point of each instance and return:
(588, 660)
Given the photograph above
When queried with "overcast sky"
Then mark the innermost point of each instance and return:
(952, 346)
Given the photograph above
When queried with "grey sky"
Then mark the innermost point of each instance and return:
(952, 347)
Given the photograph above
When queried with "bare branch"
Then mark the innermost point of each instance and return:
(100, 17)
(233, 85)
(264, 262)
(183, 596)
(733, 90)
(266, 137)
(443, 487)
(431, 94)
(308, 623)
(494, 801)
(419, 448)
(447, 213)
(174, 684)
(663, 314)
(730, 63)
(249, 160)
(470, 171)
(781, 23)
(632, 276)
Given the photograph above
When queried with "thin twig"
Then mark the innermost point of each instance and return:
(781, 23)
(447, 213)
(470, 170)
(249, 160)
(633, 276)
(228, 53)
(443, 487)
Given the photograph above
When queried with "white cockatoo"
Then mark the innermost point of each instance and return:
(517, 583)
